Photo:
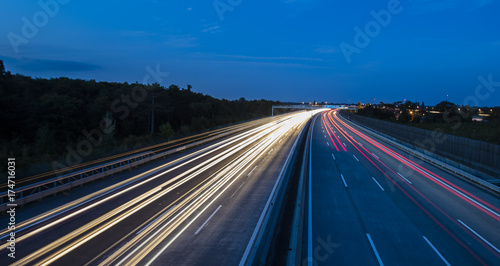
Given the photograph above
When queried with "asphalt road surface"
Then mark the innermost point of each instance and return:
(198, 209)
(370, 203)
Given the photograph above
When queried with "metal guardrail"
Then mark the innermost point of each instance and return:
(36, 191)
(298, 106)
(474, 156)
(425, 155)
(51, 186)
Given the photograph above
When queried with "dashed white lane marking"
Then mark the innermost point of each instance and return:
(205, 223)
(404, 178)
(478, 235)
(345, 184)
(375, 250)
(435, 250)
(377, 183)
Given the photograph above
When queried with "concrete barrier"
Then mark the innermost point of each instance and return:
(258, 246)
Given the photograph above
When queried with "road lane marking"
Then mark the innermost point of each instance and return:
(437, 179)
(333, 156)
(249, 174)
(375, 250)
(327, 143)
(375, 155)
(155, 220)
(344, 144)
(270, 151)
(435, 250)
(478, 235)
(205, 223)
(238, 189)
(404, 178)
(345, 184)
(355, 157)
(377, 183)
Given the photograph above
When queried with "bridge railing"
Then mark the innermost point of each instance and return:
(29, 193)
(51, 186)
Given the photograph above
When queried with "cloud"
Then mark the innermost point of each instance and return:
(272, 58)
(46, 65)
(326, 50)
(137, 33)
(257, 64)
(182, 41)
(212, 29)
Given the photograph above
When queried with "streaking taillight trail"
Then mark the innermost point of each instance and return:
(467, 196)
(478, 203)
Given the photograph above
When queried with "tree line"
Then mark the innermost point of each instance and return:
(42, 116)
(446, 117)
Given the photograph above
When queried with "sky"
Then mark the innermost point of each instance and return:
(287, 50)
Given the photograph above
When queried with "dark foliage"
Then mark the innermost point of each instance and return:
(44, 116)
(445, 117)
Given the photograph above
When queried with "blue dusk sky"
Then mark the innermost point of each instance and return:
(287, 50)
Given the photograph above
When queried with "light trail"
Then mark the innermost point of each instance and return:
(70, 206)
(246, 148)
(328, 130)
(482, 205)
(404, 191)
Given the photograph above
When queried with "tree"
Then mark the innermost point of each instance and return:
(47, 115)
(166, 130)
(405, 116)
(44, 141)
(108, 127)
(2, 68)
(445, 106)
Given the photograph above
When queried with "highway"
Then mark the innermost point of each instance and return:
(201, 208)
(370, 203)
(153, 149)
